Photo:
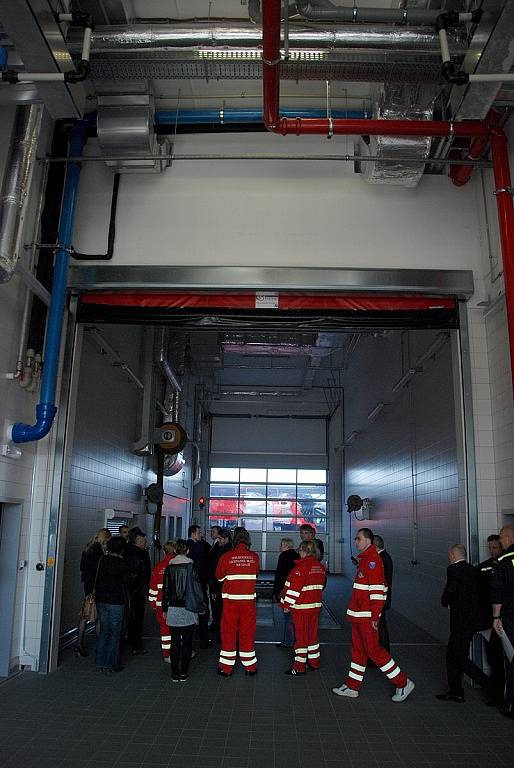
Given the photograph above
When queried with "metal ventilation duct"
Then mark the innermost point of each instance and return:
(125, 127)
(399, 102)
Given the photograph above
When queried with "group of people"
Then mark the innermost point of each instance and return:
(481, 600)
(116, 570)
(197, 581)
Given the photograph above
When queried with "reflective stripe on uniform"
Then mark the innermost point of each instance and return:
(391, 675)
(249, 662)
(246, 654)
(314, 654)
(377, 597)
(310, 587)
(158, 602)
(166, 646)
(227, 662)
(153, 592)
(293, 592)
(164, 638)
(313, 647)
(245, 576)
(238, 597)
(306, 605)
(289, 600)
(388, 665)
(228, 653)
(363, 587)
(358, 667)
(355, 676)
(358, 614)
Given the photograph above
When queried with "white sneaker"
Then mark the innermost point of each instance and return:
(343, 690)
(402, 693)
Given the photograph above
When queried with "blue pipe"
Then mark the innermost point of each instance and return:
(46, 409)
(3, 58)
(200, 116)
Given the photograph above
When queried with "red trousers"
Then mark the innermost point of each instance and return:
(239, 618)
(306, 646)
(165, 634)
(365, 646)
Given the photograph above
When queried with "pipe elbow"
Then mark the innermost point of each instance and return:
(27, 433)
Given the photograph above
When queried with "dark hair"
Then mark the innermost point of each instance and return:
(181, 547)
(134, 533)
(241, 536)
(217, 527)
(192, 529)
(307, 527)
(116, 545)
(493, 537)
(224, 533)
(378, 541)
(367, 533)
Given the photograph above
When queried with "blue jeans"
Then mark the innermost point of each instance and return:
(288, 633)
(108, 640)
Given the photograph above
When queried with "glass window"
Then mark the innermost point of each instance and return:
(281, 475)
(252, 523)
(282, 491)
(252, 507)
(253, 491)
(312, 491)
(253, 475)
(228, 508)
(217, 489)
(230, 475)
(312, 476)
(314, 512)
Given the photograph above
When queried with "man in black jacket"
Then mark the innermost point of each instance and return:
(198, 551)
(140, 571)
(461, 596)
(493, 645)
(383, 633)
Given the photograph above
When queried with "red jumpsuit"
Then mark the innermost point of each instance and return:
(238, 570)
(302, 595)
(155, 601)
(366, 605)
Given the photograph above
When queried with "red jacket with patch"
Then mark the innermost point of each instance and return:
(304, 586)
(156, 581)
(238, 570)
(369, 588)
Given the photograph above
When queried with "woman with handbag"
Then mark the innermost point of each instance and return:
(182, 601)
(111, 581)
(93, 551)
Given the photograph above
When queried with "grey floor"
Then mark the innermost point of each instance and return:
(139, 719)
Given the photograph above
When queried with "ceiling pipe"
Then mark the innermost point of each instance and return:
(205, 116)
(469, 129)
(461, 174)
(224, 38)
(328, 12)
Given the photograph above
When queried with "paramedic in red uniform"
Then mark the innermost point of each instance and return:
(364, 609)
(302, 596)
(237, 570)
(155, 598)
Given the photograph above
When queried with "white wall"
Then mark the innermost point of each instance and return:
(278, 213)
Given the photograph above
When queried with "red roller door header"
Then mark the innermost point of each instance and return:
(267, 300)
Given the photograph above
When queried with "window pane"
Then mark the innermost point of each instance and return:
(279, 524)
(253, 491)
(312, 491)
(281, 491)
(217, 489)
(252, 523)
(312, 476)
(253, 475)
(284, 511)
(229, 475)
(223, 511)
(282, 476)
(315, 513)
(252, 507)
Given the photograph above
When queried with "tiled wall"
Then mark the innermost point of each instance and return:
(104, 473)
(406, 462)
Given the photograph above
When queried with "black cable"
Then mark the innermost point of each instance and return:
(112, 229)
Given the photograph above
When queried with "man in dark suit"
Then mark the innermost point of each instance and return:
(383, 634)
(493, 644)
(462, 596)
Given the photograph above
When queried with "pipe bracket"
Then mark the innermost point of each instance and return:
(500, 190)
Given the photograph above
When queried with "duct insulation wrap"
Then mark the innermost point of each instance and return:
(398, 102)
(16, 185)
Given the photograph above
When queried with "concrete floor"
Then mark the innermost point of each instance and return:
(139, 719)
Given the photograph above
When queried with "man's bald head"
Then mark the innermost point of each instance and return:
(507, 536)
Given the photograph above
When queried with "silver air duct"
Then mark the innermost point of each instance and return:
(398, 102)
(16, 184)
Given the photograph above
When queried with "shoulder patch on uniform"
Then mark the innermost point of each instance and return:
(372, 564)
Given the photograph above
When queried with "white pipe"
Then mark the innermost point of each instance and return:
(445, 49)
(36, 77)
(502, 77)
(86, 44)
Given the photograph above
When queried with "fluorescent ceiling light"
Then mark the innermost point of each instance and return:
(372, 415)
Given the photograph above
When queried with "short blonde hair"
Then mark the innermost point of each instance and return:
(310, 548)
(289, 542)
(101, 537)
(170, 547)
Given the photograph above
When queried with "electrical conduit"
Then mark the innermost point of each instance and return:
(221, 116)
(46, 409)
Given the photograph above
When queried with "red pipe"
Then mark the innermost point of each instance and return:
(271, 11)
(503, 192)
(461, 174)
